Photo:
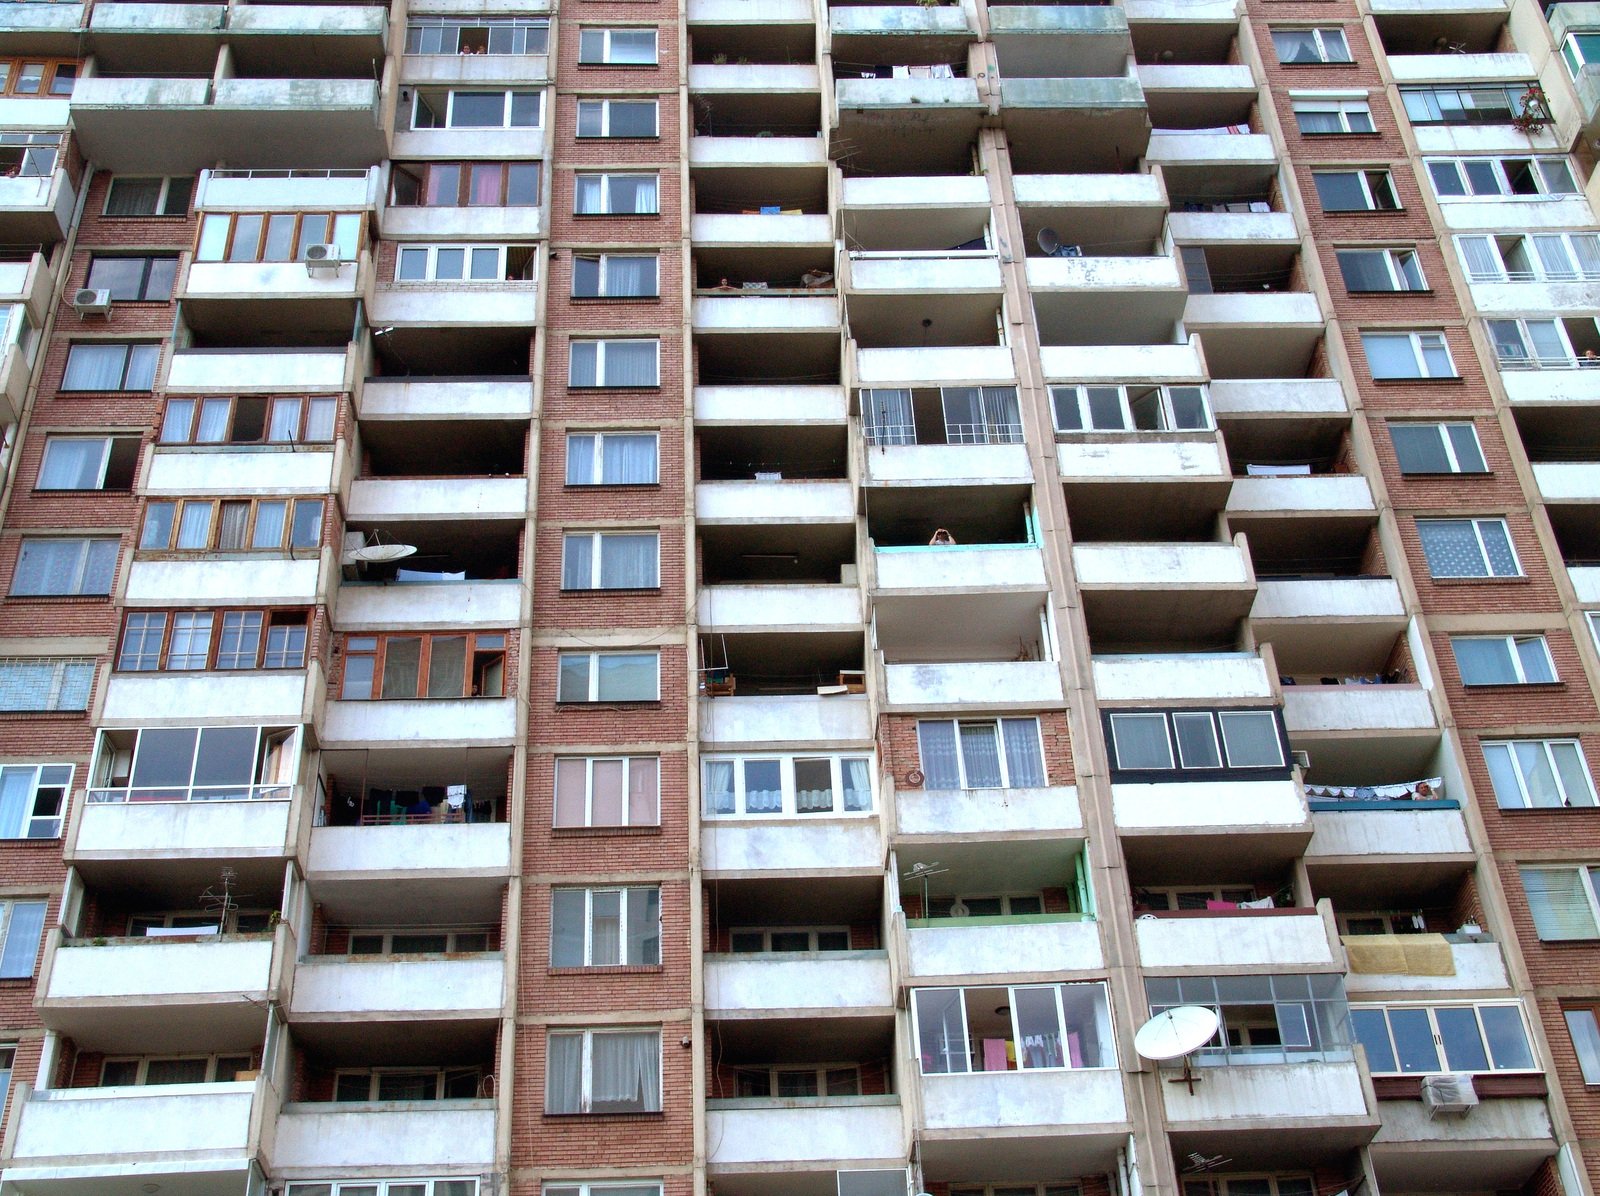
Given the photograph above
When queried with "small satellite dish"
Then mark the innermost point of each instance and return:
(377, 554)
(1176, 1032)
(1049, 242)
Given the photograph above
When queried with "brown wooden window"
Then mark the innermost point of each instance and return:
(250, 419)
(423, 665)
(41, 77)
(192, 640)
(276, 236)
(231, 525)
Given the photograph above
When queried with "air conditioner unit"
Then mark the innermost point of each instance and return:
(321, 259)
(1302, 760)
(89, 301)
(1448, 1095)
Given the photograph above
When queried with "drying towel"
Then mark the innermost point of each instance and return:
(1399, 954)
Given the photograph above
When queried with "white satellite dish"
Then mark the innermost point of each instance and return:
(377, 554)
(1177, 1033)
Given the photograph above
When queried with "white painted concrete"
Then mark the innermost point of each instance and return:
(1479, 968)
(988, 811)
(445, 498)
(204, 1121)
(945, 191)
(756, 312)
(1149, 566)
(459, 398)
(1161, 678)
(782, 502)
(990, 950)
(223, 582)
(1278, 396)
(821, 1132)
(271, 280)
(1388, 833)
(1273, 1093)
(1011, 1099)
(1140, 458)
(389, 988)
(940, 366)
(121, 970)
(224, 194)
(1568, 480)
(728, 608)
(417, 604)
(839, 720)
(741, 405)
(317, 1138)
(442, 721)
(1087, 190)
(991, 684)
(1357, 708)
(910, 275)
(1095, 274)
(788, 847)
(949, 464)
(1329, 598)
(739, 229)
(1209, 805)
(1121, 363)
(1322, 492)
(268, 697)
(458, 848)
(230, 371)
(838, 981)
(176, 829)
(1269, 941)
(262, 471)
(967, 569)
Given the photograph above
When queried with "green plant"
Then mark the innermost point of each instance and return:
(719, 60)
(97, 941)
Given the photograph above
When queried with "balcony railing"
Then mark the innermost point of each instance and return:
(142, 793)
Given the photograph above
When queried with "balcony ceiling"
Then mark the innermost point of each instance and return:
(198, 1179)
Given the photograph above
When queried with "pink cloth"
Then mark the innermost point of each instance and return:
(1210, 904)
(994, 1054)
(1074, 1049)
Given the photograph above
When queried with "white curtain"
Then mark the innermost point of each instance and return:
(1002, 415)
(857, 783)
(72, 464)
(269, 524)
(49, 567)
(194, 526)
(605, 922)
(589, 194)
(628, 562)
(889, 418)
(1023, 760)
(563, 1077)
(213, 421)
(319, 420)
(631, 276)
(940, 769)
(284, 425)
(631, 363)
(719, 786)
(981, 753)
(16, 797)
(643, 792)
(628, 460)
(94, 367)
(22, 939)
(577, 562)
(627, 1072)
(1558, 902)
(645, 199)
(583, 364)
(1481, 260)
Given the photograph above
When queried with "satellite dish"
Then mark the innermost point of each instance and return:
(1049, 242)
(1176, 1032)
(377, 554)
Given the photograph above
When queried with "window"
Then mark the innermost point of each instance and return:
(1585, 1032)
(1408, 355)
(1468, 548)
(1579, 49)
(1264, 1019)
(33, 800)
(607, 791)
(1251, 1185)
(135, 196)
(1356, 190)
(1430, 1039)
(1537, 344)
(195, 764)
(1437, 448)
(1492, 104)
(617, 47)
(795, 1083)
(185, 924)
(782, 786)
(276, 236)
(616, 118)
(231, 525)
(597, 928)
(986, 905)
(1194, 740)
(614, 363)
(37, 684)
(1315, 116)
(614, 276)
(1380, 270)
(250, 419)
(439, 108)
(1033, 1027)
(61, 566)
(27, 155)
(763, 940)
(21, 927)
(133, 278)
(408, 1084)
(610, 561)
(1473, 178)
(477, 35)
(174, 1069)
(466, 263)
(437, 665)
(616, 1188)
(603, 1071)
(612, 459)
(1539, 774)
(8, 1061)
(417, 941)
(981, 754)
(387, 1187)
(111, 365)
(464, 185)
(1190, 897)
(1503, 659)
(1306, 47)
(37, 78)
(1130, 408)
(616, 195)
(88, 463)
(1562, 901)
(187, 640)
(1537, 257)
(949, 415)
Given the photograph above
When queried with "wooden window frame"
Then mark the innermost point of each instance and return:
(214, 644)
(379, 653)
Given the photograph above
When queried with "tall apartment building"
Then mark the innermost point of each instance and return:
(654, 600)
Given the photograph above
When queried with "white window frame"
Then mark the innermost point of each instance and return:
(106, 443)
(607, 33)
(418, 23)
(442, 1077)
(586, 1069)
(1078, 395)
(766, 933)
(1492, 244)
(1586, 884)
(1513, 644)
(1323, 38)
(1363, 175)
(1531, 359)
(70, 681)
(999, 744)
(1587, 1050)
(418, 95)
(1108, 1048)
(1479, 539)
(1419, 353)
(144, 1062)
(789, 788)
(468, 249)
(605, 122)
(588, 789)
(1506, 749)
(1219, 736)
(273, 742)
(1542, 165)
(624, 909)
(1593, 617)
(1431, 1008)
(597, 459)
(819, 1072)
(86, 554)
(8, 909)
(1344, 107)
(604, 275)
(605, 178)
(593, 669)
(1399, 283)
(595, 1187)
(452, 937)
(130, 349)
(1442, 431)
(601, 346)
(384, 1187)
(44, 778)
(597, 548)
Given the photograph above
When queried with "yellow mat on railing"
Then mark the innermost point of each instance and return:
(1399, 954)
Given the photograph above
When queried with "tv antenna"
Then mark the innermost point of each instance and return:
(920, 871)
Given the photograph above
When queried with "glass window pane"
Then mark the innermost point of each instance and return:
(1252, 739)
(1585, 1031)
(1484, 660)
(1038, 1021)
(1140, 741)
(1508, 1038)
(1413, 1038)
(763, 786)
(1463, 1041)
(1197, 741)
(1372, 1032)
(402, 661)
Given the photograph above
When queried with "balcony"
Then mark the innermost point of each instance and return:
(1220, 228)
(745, 231)
(511, 304)
(1586, 581)
(315, 1139)
(1211, 807)
(471, 398)
(1475, 966)
(768, 1135)
(948, 465)
(976, 814)
(731, 848)
(1148, 457)
(1205, 148)
(474, 498)
(179, 472)
(1122, 363)
(30, 283)
(1340, 494)
(287, 190)
(398, 988)
(223, 582)
(1106, 300)
(751, 722)
(757, 151)
(1134, 593)
(897, 20)
(884, 96)
(1262, 940)
(1567, 481)
(1307, 1102)
(37, 208)
(1190, 676)
(1071, 1117)
(938, 366)
(127, 124)
(36, 28)
(272, 696)
(463, 722)
(955, 949)
(833, 982)
(1071, 125)
(179, 1133)
(110, 831)
(1551, 387)
(780, 608)
(1357, 709)
(1499, 1145)
(951, 273)
(1278, 397)
(423, 223)
(400, 606)
(258, 371)
(765, 312)
(456, 851)
(1471, 69)
(906, 572)
(1360, 829)
(743, 406)
(779, 502)
(987, 685)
